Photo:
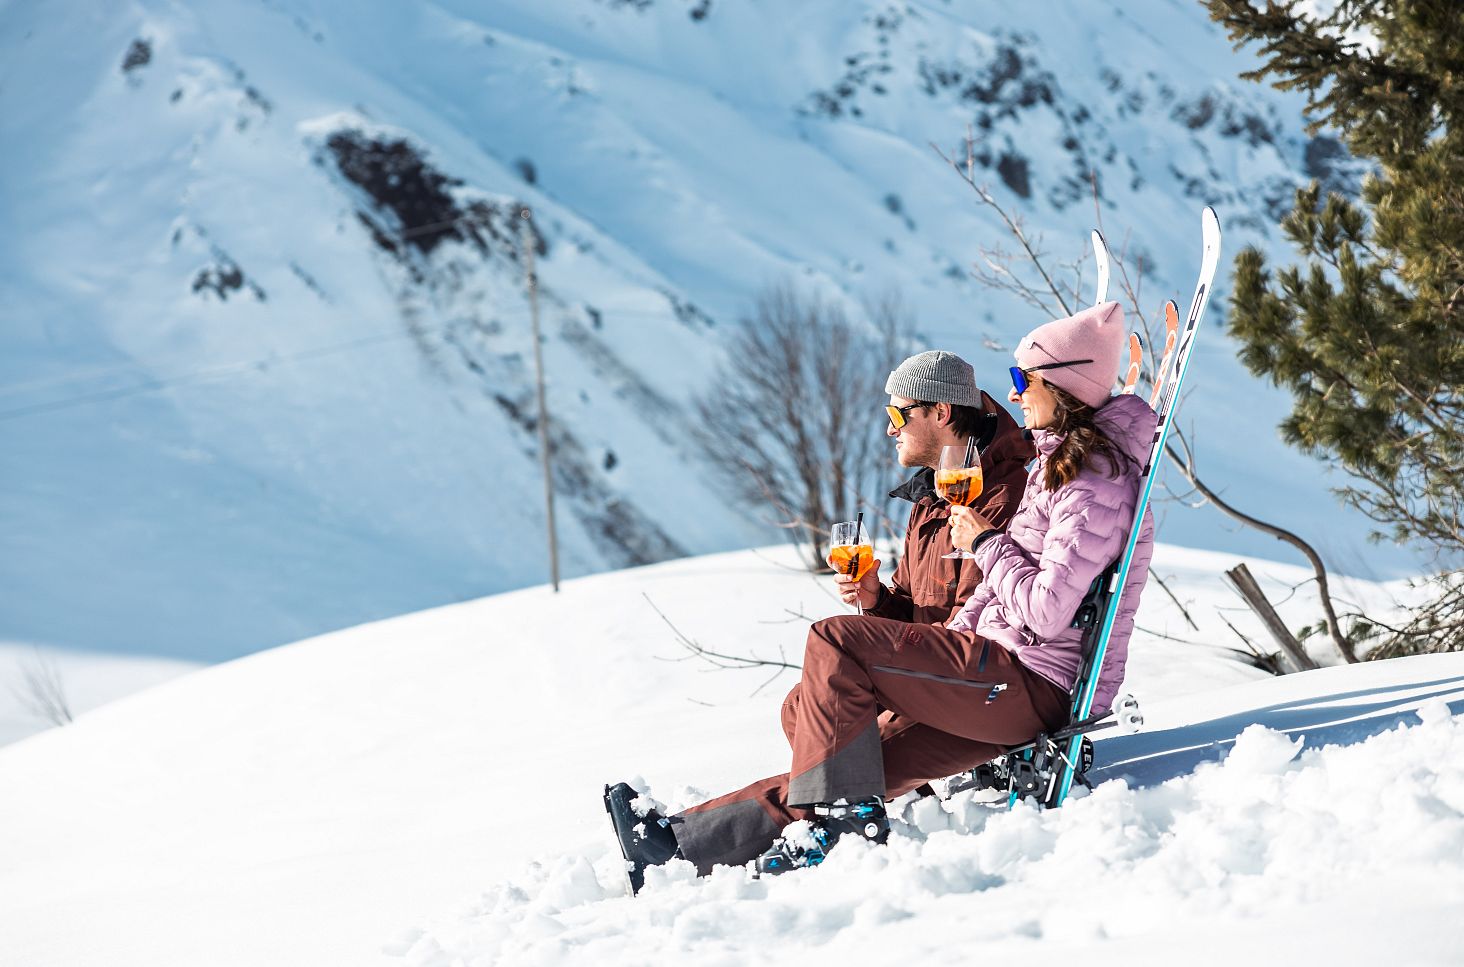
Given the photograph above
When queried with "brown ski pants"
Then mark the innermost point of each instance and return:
(883, 707)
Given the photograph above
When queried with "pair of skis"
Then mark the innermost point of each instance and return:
(1136, 355)
(1047, 766)
(1167, 382)
(1136, 342)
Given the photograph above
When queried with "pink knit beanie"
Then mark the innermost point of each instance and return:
(1097, 334)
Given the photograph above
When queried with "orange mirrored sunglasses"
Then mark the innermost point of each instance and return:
(898, 414)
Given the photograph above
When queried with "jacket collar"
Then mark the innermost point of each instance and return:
(917, 488)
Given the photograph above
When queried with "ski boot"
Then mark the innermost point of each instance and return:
(645, 838)
(806, 843)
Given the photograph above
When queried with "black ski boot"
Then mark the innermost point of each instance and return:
(865, 819)
(645, 838)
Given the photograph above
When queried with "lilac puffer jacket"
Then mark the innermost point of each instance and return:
(1037, 573)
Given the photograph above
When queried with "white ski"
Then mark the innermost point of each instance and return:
(1100, 252)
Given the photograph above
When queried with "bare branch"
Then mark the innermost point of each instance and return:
(793, 618)
(1013, 225)
(1182, 609)
(1187, 467)
(716, 659)
(1264, 660)
(41, 690)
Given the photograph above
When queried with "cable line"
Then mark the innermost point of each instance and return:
(153, 385)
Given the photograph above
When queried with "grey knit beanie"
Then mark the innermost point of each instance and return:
(935, 376)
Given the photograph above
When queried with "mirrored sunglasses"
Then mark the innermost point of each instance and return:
(1019, 375)
(899, 415)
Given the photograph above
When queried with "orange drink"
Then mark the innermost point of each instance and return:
(854, 559)
(960, 486)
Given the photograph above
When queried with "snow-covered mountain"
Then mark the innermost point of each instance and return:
(426, 791)
(266, 361)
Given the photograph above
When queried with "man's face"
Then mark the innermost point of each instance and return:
(916, 443)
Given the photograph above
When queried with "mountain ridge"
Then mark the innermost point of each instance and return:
(302, 429)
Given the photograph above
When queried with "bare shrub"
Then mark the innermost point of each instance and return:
(41, 690)
(793, 419)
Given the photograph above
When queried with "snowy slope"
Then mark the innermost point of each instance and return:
(425, 790)
(265, 368)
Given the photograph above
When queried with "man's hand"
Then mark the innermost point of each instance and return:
(865, 590)
(966, 526)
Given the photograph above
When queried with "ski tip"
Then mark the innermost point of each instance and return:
(1100, 255)
(1210, 225)
(1210, 231)
(1136, 363)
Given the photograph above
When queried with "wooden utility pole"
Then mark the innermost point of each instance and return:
(1245, 585)
(526, 237)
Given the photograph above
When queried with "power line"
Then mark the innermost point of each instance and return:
(130, 368)
(153, 385)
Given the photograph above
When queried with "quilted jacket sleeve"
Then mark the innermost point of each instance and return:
(1083, 537)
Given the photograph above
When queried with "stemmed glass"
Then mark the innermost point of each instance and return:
(850, 551)
(958, 481)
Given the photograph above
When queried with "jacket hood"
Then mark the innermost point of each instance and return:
(1129, 422)
(1126, 420)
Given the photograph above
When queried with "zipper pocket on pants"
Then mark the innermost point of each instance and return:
(993, 689)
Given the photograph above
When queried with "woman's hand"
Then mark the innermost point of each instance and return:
(966, 526)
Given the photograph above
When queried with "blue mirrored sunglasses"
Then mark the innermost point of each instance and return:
(1019, 375)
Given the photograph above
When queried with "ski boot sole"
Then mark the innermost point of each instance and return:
(622, 821)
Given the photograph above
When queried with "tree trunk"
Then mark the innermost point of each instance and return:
(1245, 585)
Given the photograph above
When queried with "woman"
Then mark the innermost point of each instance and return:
(998, 674)
(1075, 511)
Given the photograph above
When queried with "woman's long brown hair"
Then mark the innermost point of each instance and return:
(1082, 441)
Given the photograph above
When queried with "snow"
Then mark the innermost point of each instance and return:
(1204, 868)
(426, 790)
(191, 477)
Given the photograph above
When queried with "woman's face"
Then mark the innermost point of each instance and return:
(1037, 403)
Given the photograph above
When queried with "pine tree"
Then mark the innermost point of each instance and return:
(1367, 331)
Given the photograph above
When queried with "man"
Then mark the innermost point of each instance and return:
(934, 402)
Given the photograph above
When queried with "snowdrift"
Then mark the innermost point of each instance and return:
(425, 790)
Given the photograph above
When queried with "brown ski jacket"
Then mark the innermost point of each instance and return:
(927, 588)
